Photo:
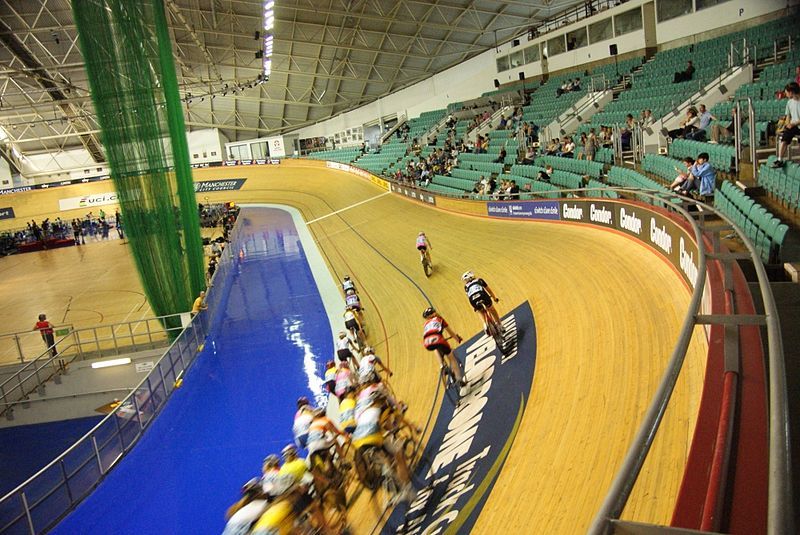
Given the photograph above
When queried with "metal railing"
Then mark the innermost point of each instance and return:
(81, 344)
(39, 503)
(25, 345)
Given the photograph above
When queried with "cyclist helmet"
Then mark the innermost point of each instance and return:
(342, 334)
(347, 277)
(271, 460)
(350, 291)
(252, 487)
(330, 364)
(421, 233)
(428, 312)
(289, 451)
(467, 276)
(369, 351)
(302, 401)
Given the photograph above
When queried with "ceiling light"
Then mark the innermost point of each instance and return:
(111, 362)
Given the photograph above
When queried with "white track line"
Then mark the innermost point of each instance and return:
(347, 208)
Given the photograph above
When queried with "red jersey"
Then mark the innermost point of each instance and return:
(44, 327)
(434, 325)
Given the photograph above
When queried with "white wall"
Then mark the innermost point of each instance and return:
(695, 26)
(207, 145)
(464, 81)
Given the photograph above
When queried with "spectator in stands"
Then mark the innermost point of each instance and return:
(722, 129)
(553, 148)
(567, 148)
(792, 122)
(77, 233)
(503, 122)
(576, 85)
(627, 131)
(199, 304)
(564, 88)
(683, 174)
(646, 118)
(606, 136)
(704, 119)
(684, 76)
(513, 190)
(502, 156)
(530, 156)
(701, 177)
(797, 75)
(590, 146)
(688, 124)
(545, 175)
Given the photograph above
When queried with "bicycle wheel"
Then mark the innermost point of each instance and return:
(368, 468)
(334, 510)
(427, 267)
(450, 383)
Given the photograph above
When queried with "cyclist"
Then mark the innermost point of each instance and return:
(244, 513)
(371, 362)
(424, 246)
(434, 339)
(347, 411)
(344, 380)
(481, 296)
(330, 376)
(270, 472)
(352, 302)
(373, 407)
(302, 421)
(347, 284)
(322, 442)
(345, 348)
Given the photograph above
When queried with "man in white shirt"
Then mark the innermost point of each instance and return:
(792, 128)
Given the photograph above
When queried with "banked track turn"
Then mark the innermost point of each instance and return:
(607, 309)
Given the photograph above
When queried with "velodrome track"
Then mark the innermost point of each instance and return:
(607, 313)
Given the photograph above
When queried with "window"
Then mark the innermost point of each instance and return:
(239, 152)
(600, 31)
(531, 54)
(517, 58)
(670, 9)
(259, 150)
(702, 4)
(577, 39)
(502, 64)
(556, 45)
(628, 22)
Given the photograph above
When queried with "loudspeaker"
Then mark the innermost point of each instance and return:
(259, 54)
(257, 35)
(496, 82)
(515, 42)
(521, 75)
(612, 49)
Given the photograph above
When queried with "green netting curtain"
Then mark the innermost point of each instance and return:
(128, 55)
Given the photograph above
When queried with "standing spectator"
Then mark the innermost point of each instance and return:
(45, 328)
(647, 118)
(118, 224)
(627, 131)
(77, 232)
(104, 226)
(684, 76)
(792, 122)
(199, 304)
(590, 146)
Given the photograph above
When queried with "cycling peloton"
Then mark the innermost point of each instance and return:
(424, 246)
(480, 297)
(434, 339)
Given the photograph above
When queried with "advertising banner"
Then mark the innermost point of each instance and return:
(414, 193)
(469, 443)
(229, 184)
(524, 209)
(7, 213)
(88, 201)
(276, 148)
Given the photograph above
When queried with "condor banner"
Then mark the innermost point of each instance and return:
(647, 224)
(470, 443)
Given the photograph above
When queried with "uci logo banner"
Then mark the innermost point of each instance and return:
(470, 442)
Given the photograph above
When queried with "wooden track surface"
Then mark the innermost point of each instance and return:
(607, 312)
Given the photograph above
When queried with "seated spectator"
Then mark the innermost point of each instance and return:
(553, 147)
(530, 156)
(688, 124)
(704, 118)
(791, 122)
(563, 89)
(721, 129)
(503, 123)
(647, 118)
(683, 174)
(701, 177)
(606, 136)
(627, 131)
(684, 76)
(502, 157)
(545, 175)
(567, 148)
(576, 85)
(513, 190)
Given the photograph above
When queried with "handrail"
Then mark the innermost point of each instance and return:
(75, 395)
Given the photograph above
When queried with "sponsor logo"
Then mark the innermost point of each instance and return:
(660, 237)
(247, 162)
(230, 184)
(687, 263)
(88, 201)
(19, 189)
(525, 209)
(470, 443)
(7, 213)
(629, 221)
(600, 214)
(413, 193)
(230, 162)
(572, 212)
